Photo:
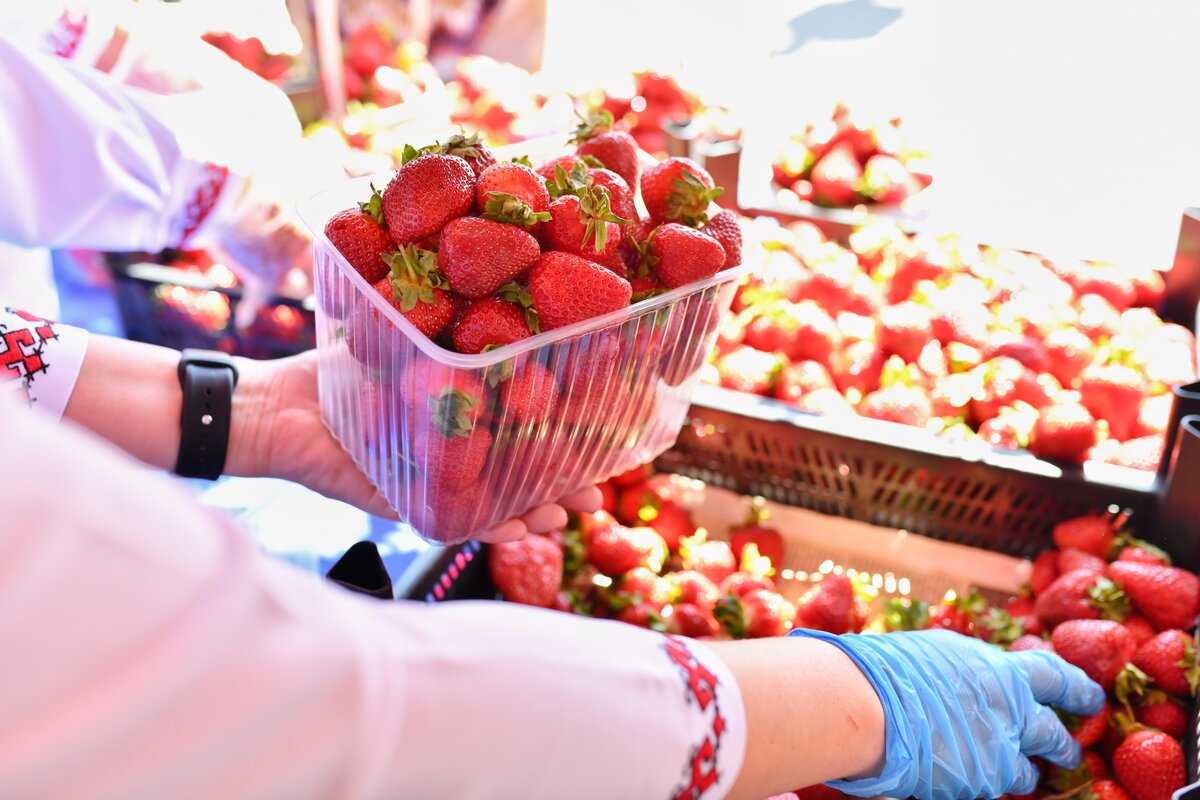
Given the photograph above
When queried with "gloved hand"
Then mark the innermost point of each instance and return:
(963, 717)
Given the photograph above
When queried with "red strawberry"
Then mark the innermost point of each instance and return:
(812, 793)
(1167, 596)
(1159, 711)
(616, 150)
(739, 584)
(471, 149)
(1144, 553)
(1113, 392)
(1045, 571)
(527, 571)
(1140, 629)
(1091, 534)
(800, 378)
(1073, 560)
(1097, 317)
(690, 619)
(1101, 648)
(530, 394)
(489, 323)
(768, 541)
(672, 523)
(359, 235)
(1069, 351)
(1025, 349)
(998, 431)
(643, 615)
(1030, 642)
(567, 289)
(836, 177)
(1087, 730)
(1002, 382)
(858, 366)
(425, 194)
(1107, 790)
(648, 586)
(828, 606)
(1081, 595)
(680, 255)
(478, 256)
(745, 369)
(711, 558)
(725, 229)
(1063, 432)
(452, 459)
(886, 181)
(812, 335)
(608, 496)
(513, 193)
(1170, 660)
(907, 405)
(756, 615)
(927, 261)
(568, 163)
(958, 615)
(904, 330)
(444, 393)
(633, 476)
(678, 190)
(615, 550)
(692, 588)
(1109, 283)
(583, 226)
(414, 289)
(1150, 764)
(620, 196)
(825, 402)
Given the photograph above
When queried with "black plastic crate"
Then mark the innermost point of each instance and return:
(178, 308)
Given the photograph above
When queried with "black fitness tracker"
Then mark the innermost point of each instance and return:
(207, 379)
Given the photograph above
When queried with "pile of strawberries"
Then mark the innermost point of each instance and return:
(843, 162)
(1103, 600)
(1068, 359)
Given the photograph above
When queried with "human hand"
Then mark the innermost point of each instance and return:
(963, 717)
(278, 432)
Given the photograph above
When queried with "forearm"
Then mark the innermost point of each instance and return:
(811, 715)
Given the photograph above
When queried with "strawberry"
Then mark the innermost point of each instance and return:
(800, 378)
(812, 793)
(886, 181)
(452, 458)
(926, 261)
(907, 405)
(1143, 553)
(1143, 453)
(530, 393)
(836, 177)
(710, 557)
(1030, 642)
(692, 588)
(632, 500)
(425, 194)
(414, 288)
(828, 606)
(1092, 533)
(858, 366)
(768, 540)
(620, 196)
(904, 330)
(1045, 571)
(1109, 283)
(725, 229)
(1004, 381)
(1112, 392)
(745, 369)
(1167, 596)
(673, 523)
(616, 150)
(1081, 595)
(1063, 432)
(678, 190)
(825, 402)
(756, 615)
(1098, 647)
(615, 550)
(643, 585)
(583, 226)
(471, 149)
(958, 614)
(632, 476)
(1087, 730)
(527, 571)
(566, 163)
(1025, 349)
(739, 584)
(488, 323)
(1140, 629)
(1097, 317)
(359, 235)
(1159, 711)
(1105, 790)
(812, 334)
(1150, 764)
(1000, 431)
(567, 288)
(643, 615)
(680, 255)
(1170, 660)
(1069, 351)
(608, 496)
(695, 621)
(1073, 560)
(478, 256)
(444, 393)
(513, 193)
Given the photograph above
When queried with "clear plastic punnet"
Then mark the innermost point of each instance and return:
(459, 443)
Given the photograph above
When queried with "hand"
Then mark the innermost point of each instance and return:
(963, 717)
(278, 432)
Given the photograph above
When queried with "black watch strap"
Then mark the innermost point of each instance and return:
(207, 379)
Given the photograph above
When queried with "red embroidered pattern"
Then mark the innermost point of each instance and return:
(22, 355)
(701, 688)
(203, 200)
(67, 34)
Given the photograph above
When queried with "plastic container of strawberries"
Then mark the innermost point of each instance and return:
(622, 384)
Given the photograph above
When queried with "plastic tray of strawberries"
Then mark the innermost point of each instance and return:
(459, 441)
(164, 304)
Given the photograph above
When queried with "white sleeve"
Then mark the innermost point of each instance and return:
(151, 651)
(39, 360)
(100, 166)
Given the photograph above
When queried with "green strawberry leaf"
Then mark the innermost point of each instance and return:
(408, 154)
(508, 208)
(598, 121)
(450, 412)
(524, 160)
(462, 145)
(688, 202)
(373, 208)
(730, 612)
(592, 162)
(1109, 599)
(906, 615)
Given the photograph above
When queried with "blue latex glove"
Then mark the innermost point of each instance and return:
(962, 716)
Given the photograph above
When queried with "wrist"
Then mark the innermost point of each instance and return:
(252, 418)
